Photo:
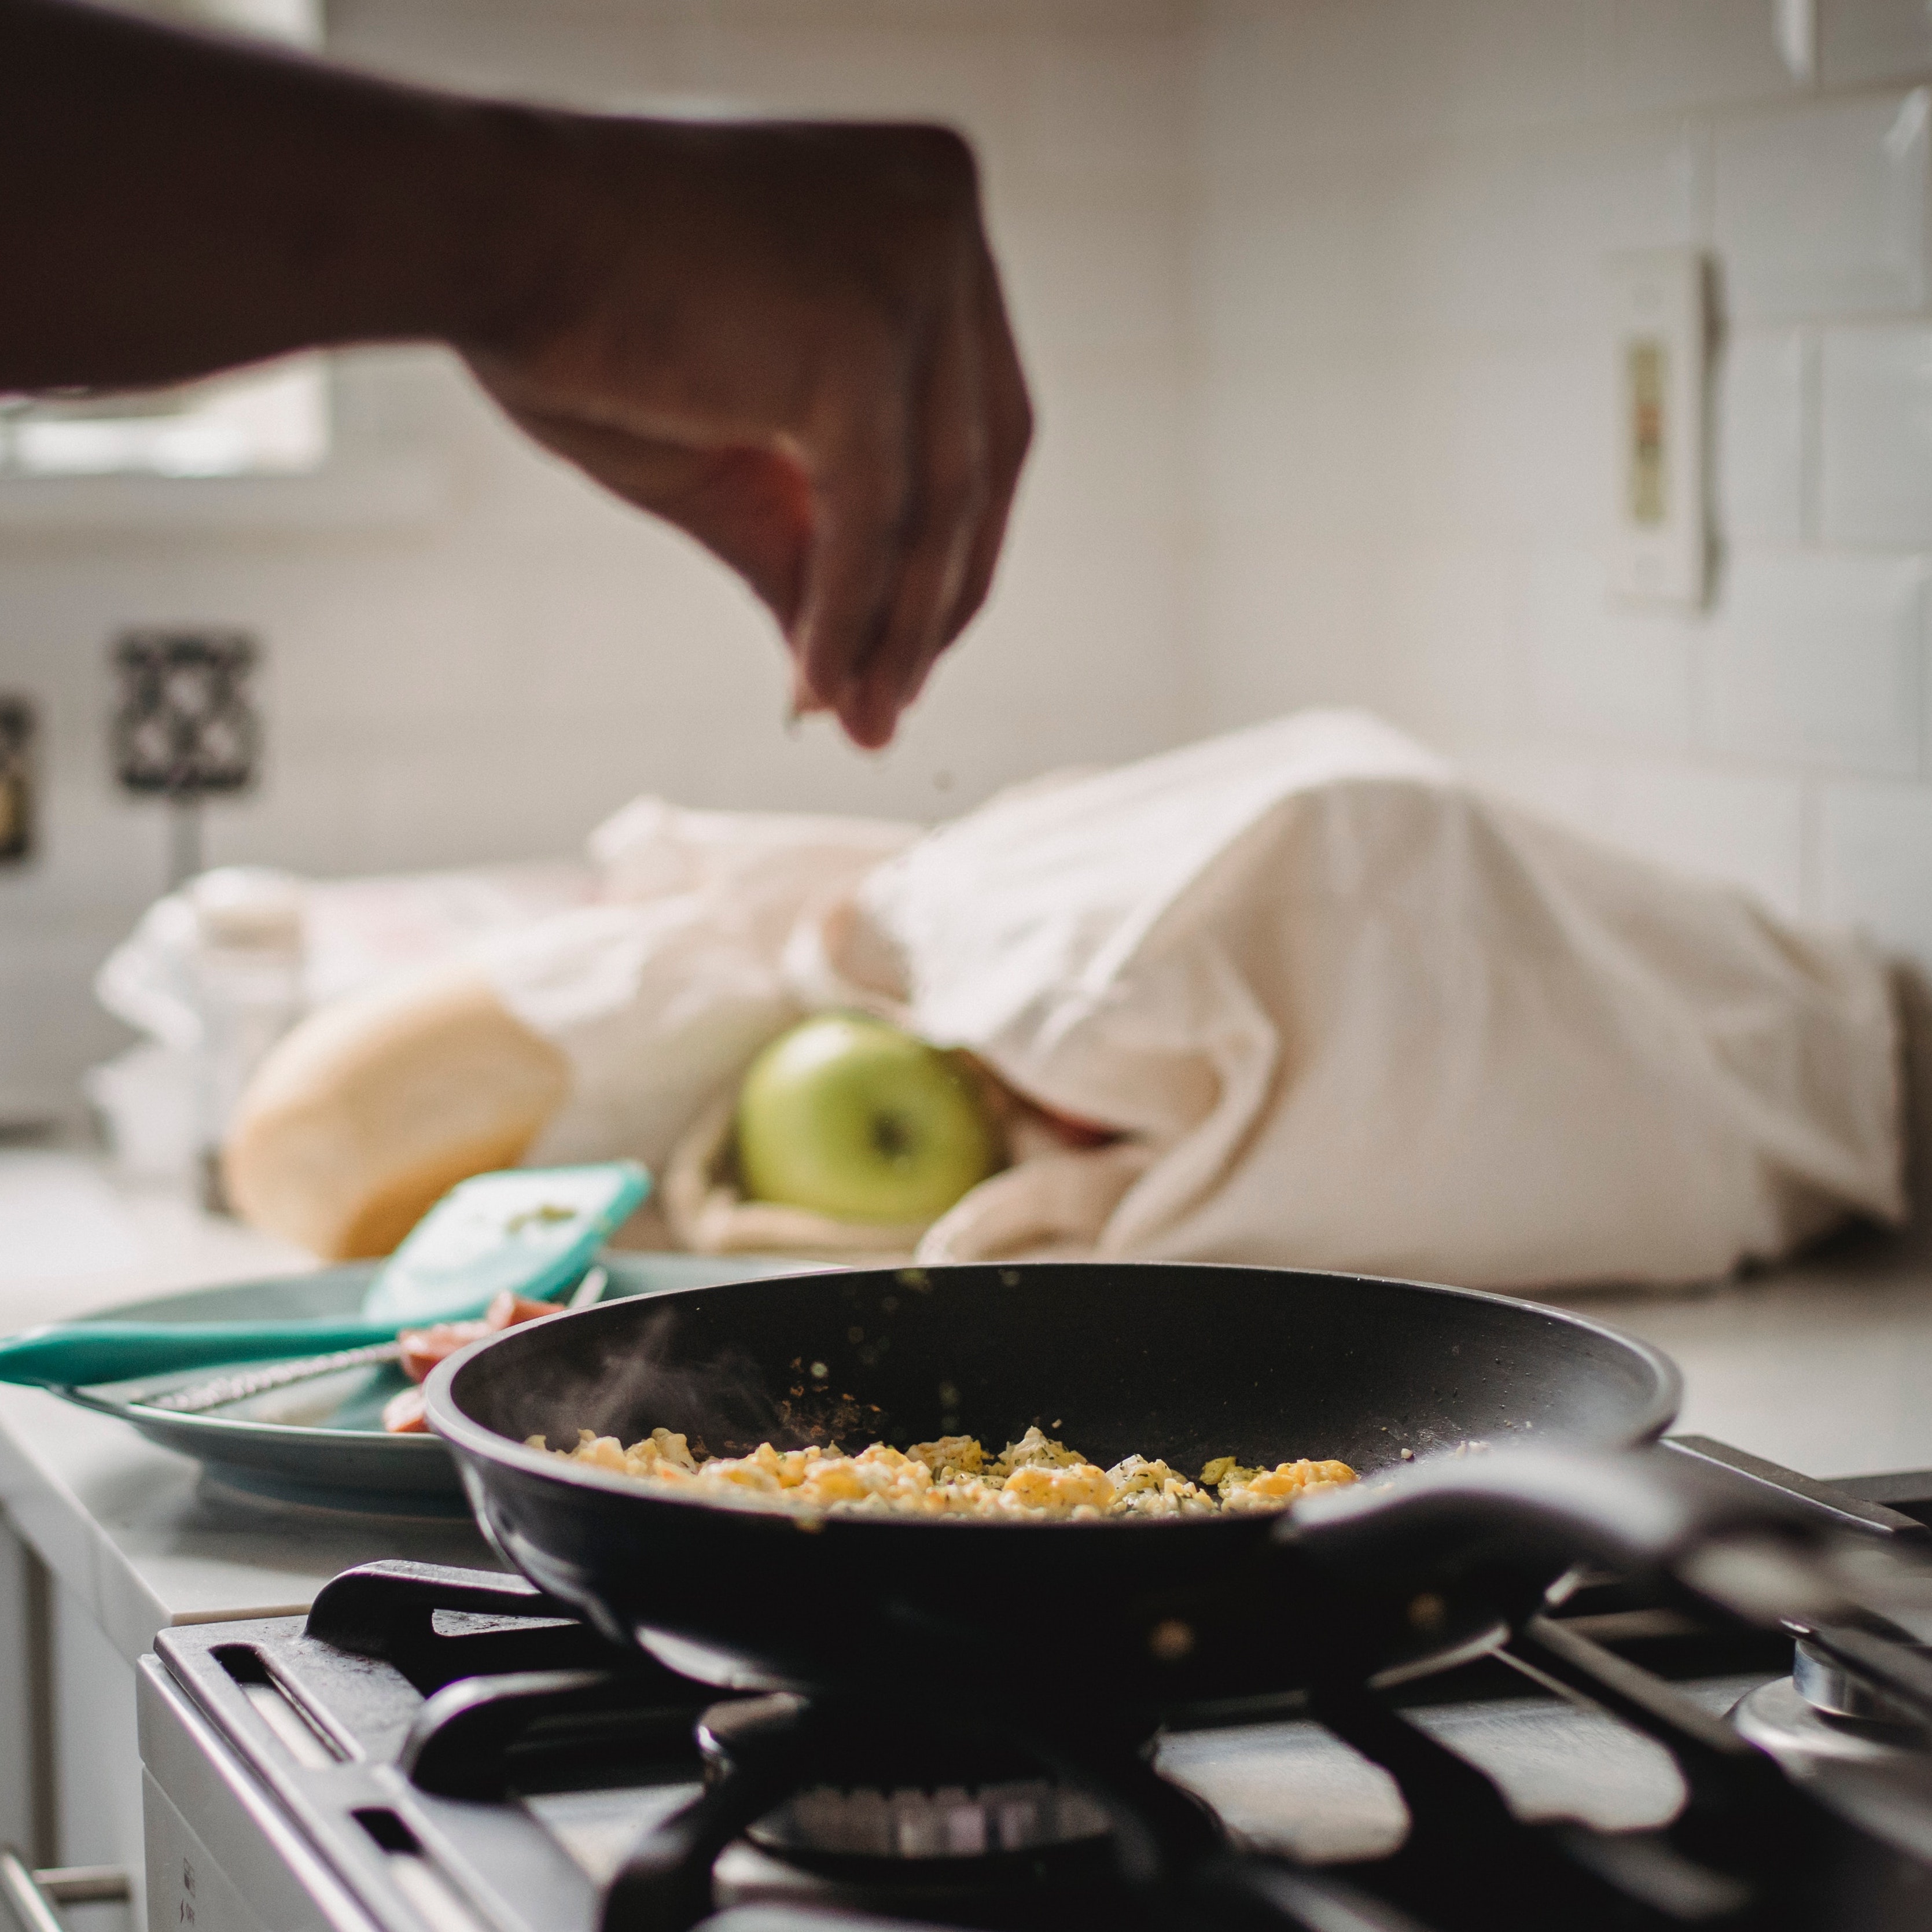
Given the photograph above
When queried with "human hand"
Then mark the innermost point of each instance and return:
(789, 340)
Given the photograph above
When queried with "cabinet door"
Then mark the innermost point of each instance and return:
(26, 1691)
(97, 1761)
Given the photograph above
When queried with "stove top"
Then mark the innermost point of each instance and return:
(442, 1750)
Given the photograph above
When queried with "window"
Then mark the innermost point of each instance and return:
(275, 421)
(266, 422)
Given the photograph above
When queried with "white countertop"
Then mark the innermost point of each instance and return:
(1825, 1366)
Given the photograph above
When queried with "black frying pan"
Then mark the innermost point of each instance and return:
(1181, 1361)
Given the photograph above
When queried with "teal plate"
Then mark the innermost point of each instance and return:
(322, 1442)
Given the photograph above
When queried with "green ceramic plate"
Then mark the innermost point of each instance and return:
(322, 1442)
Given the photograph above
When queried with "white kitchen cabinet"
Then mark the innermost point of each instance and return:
(105, 1540)
(25, 1821)
(70, 1784)
(97, 1762)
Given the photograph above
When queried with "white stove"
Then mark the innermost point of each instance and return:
(442, 1750)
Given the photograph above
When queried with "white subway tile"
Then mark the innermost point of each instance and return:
(1104, 104)
(501, 49)
(1571, 786)
(1459, 257)
(1076, 659)
(391, 647)
(1815, 660)
(1302, 621)
(1662, 54)
(1099, 268)
(1863, 41)
(1876, 475)
(1292, 623)
(954, 70)
(1746, 830)
(1451, 619)
(47, 989)
(1875, 863)
(1600, 189)
(1761, 411)
(1300, 438)
(1257, 105)
(1568, 477)
(1111, 441)
(1613, 675)
(1312, 79)
(1466, 439)
(1312, 258)
(1821, 210)
(1421, 241)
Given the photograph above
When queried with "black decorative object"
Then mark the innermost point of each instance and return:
(185, 727)
(16, 777)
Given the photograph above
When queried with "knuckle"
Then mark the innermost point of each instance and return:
(1012, 440)
(1020, 437)
(958, 483)
(930, 182)
(945, 158)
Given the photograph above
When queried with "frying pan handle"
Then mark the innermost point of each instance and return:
(1509, 1523)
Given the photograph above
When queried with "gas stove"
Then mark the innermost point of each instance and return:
(445, 1750)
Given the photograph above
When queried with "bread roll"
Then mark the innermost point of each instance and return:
(375, 1106)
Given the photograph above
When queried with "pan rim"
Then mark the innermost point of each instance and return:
(468, 1437)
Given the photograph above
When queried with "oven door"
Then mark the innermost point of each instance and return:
(221, 1854)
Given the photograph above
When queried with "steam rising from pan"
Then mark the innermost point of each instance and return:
(724, 1403)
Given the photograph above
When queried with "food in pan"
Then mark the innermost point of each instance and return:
(1036, 1478)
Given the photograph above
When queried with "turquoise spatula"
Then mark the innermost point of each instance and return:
(534, 1230)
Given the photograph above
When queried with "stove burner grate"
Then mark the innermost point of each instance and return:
(1023, 1816)
(885, 1789)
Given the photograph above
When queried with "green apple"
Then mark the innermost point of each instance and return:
(857, 1120)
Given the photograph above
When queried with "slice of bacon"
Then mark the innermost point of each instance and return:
(404, 1414)
(423, 1348)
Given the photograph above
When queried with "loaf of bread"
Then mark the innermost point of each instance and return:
(375, 1106)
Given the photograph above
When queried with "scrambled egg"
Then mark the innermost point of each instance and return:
(1036, 1478)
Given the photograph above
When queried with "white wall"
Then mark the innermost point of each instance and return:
(471, 655)
(1310, 291)
(1405, 464)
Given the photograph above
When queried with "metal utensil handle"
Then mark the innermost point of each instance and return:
(222, 1390)
(31, 1895)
